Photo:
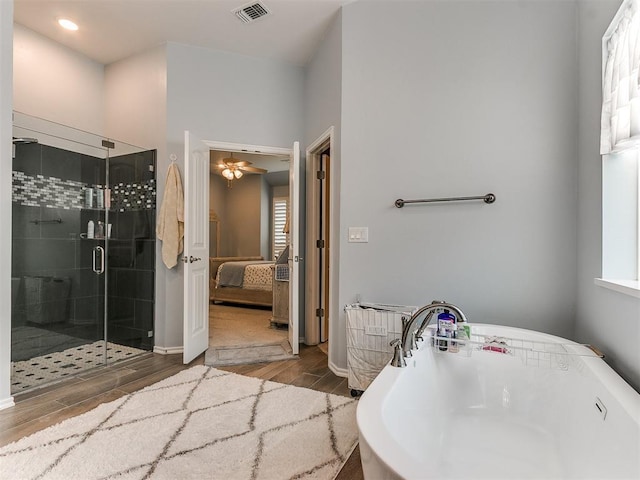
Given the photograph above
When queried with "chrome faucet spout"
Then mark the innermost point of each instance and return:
(417, 324)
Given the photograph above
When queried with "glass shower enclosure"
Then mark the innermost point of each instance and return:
(83, 251)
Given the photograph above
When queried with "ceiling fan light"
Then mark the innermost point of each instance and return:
(226, 173)
(238, 173)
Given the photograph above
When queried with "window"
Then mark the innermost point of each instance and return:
(280, 238)
(620, 147)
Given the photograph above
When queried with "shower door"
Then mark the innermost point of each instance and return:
(62, 226)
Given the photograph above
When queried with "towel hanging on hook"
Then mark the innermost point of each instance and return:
(170, 226)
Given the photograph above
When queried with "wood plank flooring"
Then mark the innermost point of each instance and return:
(41, 408)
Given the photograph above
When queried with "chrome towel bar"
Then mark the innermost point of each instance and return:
(488, 198)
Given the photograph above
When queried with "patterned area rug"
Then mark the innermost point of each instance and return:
(199, 423)
(53, 366)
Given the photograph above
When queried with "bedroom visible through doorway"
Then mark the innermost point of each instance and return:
(249, 288)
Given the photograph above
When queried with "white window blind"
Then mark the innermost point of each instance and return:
(280, 209)
(620, 147)
(620, 124)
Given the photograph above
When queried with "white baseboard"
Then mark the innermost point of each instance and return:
(168, 350)
(6, 403)
(340, 372)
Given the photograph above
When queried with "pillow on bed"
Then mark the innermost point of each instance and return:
(283, 257)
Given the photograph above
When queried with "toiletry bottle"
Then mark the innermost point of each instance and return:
(454, 346)
(443, 343)
(100, 230)
(90, 229)
(99, 198)
(88, 197)
(445, 325)
(464, 334)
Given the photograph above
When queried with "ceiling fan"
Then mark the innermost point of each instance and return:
(232, 168)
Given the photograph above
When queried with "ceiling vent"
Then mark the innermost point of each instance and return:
(251, 12)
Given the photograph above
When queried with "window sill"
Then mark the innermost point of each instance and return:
(627, 287)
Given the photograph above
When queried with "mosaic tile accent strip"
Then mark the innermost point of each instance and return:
(52, 192)
(58, 365)
(133, 196)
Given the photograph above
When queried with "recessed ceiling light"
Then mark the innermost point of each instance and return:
(68, 24)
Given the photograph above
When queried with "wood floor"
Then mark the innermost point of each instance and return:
(41, 408)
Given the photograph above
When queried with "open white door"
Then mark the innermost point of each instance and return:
(196, 247)
(294, 256)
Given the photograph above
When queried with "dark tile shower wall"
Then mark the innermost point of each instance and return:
(131, 281)
(52, 279)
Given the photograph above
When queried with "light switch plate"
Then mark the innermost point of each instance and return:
(358, 234)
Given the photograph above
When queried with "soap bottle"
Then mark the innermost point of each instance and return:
(99, 198)
(100, 230)
(445, 324)
(90, 227)
(88, 197)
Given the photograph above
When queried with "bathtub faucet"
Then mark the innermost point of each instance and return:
(416, 325)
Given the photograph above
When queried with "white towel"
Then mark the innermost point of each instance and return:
(170, 228)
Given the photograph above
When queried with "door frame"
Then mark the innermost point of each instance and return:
(313, 156)
(264, 150)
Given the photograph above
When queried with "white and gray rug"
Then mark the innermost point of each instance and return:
(200, 423)
(53, 366)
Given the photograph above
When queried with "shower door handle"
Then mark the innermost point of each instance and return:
(98, 265)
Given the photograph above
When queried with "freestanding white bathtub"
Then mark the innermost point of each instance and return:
(489, 414)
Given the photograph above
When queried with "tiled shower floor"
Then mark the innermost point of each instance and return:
(54, 366)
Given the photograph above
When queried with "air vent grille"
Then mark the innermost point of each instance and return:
(251, 12)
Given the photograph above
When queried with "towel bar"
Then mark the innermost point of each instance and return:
(488, 198)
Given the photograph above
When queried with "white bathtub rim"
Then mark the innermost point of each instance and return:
(617, 386)
(372, 427)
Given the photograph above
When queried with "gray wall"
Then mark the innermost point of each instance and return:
(56, 83)
(323, 109)
(217, 202)
(136, 111)
(244, 216)
(608, 319)
(229, 98)
(461, 98)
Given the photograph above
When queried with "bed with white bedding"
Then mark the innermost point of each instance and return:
(242, 280)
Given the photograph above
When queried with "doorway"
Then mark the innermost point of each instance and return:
(318, 277)
(250, 290)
